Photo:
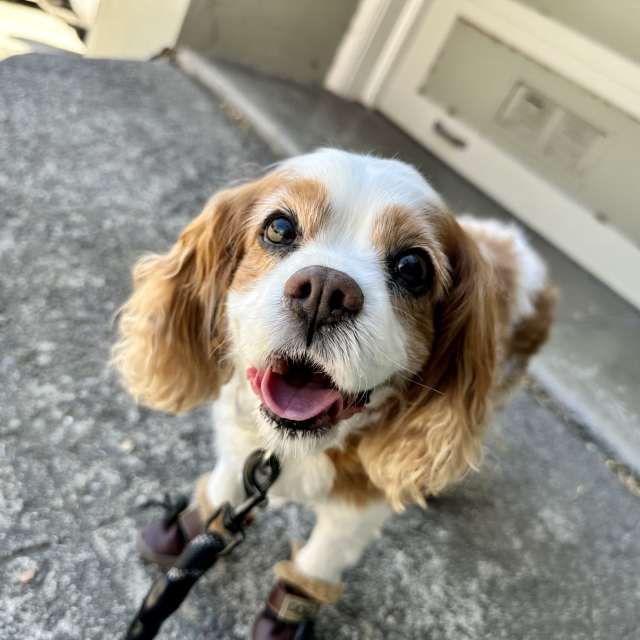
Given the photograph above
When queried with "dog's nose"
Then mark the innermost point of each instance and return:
(320, 295)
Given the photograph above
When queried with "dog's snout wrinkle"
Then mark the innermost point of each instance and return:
(320, 295)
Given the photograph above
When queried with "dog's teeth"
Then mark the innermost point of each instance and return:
(281, 367)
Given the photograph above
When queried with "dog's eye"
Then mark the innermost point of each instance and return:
(413, 270)
(280, 231)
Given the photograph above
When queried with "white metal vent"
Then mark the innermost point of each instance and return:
(549, 130)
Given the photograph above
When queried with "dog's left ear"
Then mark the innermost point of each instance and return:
(433, 438)
(172, 328)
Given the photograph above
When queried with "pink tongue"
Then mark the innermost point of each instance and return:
(293, 400)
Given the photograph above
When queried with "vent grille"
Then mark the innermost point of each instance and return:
(559, 136)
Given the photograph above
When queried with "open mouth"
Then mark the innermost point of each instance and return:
(299, 396)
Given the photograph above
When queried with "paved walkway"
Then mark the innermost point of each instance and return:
(102, 161)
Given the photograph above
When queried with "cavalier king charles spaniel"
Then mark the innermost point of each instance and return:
(337, 314)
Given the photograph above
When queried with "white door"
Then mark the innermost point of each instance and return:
(539, 116)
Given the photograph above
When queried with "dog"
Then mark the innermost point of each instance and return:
(337, 314)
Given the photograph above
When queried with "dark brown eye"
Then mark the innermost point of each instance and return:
(280, 231)
(413, 270)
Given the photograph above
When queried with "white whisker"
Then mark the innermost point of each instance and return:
(414, 373)
(405, 313)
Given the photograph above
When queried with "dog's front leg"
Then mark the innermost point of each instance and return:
(341, 533)
(313, 574)
(223, 484)
(235, 439)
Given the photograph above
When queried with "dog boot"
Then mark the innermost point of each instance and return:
(163, 540)
(293, 605)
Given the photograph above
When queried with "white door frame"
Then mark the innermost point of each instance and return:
(578, 58)
(601, 249)
(135, 29)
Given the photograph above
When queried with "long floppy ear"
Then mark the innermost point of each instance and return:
(172, 328)
(432, 436)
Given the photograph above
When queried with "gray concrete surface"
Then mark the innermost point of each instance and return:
(591, 366)
(102, 161)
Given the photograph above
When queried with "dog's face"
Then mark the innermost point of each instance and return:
(333, 297)
(335, 281)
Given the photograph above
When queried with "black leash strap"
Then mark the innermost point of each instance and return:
(166, 595)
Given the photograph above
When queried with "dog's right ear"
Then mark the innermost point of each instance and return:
(172, 329)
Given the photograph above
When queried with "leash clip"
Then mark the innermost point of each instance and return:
(260, 472)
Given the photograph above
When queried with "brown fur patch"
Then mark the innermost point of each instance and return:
(399, 228)
(257, 263)
(352, 483)
(430, 435)
(533, 331)
(504, 262)
(526, 340)
(308, 200)
(517, 344)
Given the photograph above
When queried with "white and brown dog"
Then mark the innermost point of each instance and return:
(336, 313)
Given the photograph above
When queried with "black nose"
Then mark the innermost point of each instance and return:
(320, 295)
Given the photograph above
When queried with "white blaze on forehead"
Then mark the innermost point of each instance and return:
(361, 187)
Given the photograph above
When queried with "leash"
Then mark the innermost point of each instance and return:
(167, 593)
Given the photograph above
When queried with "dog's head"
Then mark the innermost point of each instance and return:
(334, 281)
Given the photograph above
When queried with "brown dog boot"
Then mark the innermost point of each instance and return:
(289, 615)
(293, 604)
(163, 540)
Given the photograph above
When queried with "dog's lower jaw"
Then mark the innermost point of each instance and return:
(290, 444)
(298, 445)
(292, 428)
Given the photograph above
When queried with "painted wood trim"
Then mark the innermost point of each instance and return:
(355, 46)
(135, 29)
(397, 40)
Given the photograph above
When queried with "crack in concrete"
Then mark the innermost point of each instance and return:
(27, 549)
